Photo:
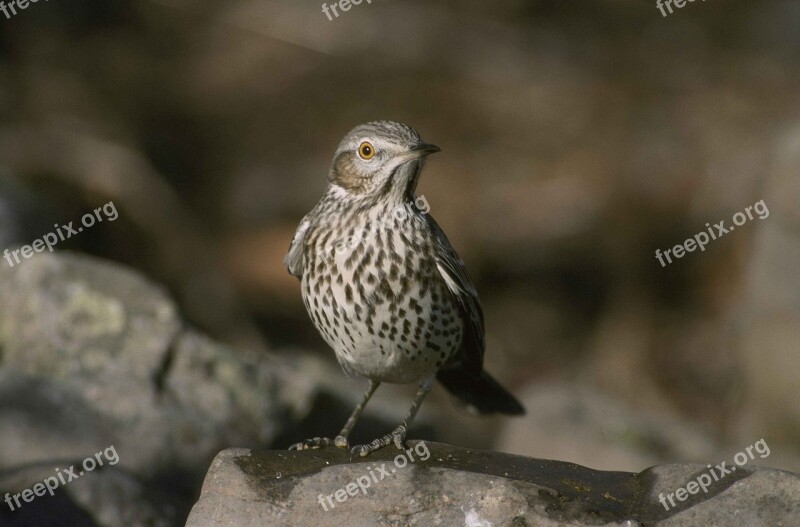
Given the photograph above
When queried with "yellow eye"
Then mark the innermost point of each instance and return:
(366, 150)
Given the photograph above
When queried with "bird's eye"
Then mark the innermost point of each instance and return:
(366, 150)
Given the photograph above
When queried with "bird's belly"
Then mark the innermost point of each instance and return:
(386, 330)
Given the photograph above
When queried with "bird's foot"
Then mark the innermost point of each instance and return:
(398, 437)
(319, 442)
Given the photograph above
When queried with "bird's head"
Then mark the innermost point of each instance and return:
(380, 160)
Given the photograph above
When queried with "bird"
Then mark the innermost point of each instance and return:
(384, 286)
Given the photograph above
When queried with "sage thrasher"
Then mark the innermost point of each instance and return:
(385, 289)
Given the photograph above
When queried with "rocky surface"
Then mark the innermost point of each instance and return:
(94, 355)
(437, 484)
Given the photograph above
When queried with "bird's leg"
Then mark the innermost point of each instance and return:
(341, 439)
(398, 435)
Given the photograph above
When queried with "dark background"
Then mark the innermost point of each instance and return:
(577, 138)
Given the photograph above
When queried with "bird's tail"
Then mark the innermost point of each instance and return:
(479, 391)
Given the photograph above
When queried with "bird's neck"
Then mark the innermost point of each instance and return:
(364, 210)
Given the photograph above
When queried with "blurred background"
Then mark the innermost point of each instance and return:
(577, 138)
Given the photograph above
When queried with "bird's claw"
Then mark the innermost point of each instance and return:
(398, 437)
(319, 442)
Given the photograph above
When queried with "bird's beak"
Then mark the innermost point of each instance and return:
(423, 149)
(418, 151)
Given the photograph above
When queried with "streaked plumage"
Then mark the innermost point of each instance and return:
(382, 283)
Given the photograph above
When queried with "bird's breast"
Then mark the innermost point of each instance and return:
(374, 293)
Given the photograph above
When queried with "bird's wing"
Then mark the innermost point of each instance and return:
(454, 273)
(294, 258)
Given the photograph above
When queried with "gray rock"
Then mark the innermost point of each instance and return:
(111, 345)
(459, 487)
(93, 355)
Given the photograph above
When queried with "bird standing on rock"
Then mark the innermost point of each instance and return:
(385, 289)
